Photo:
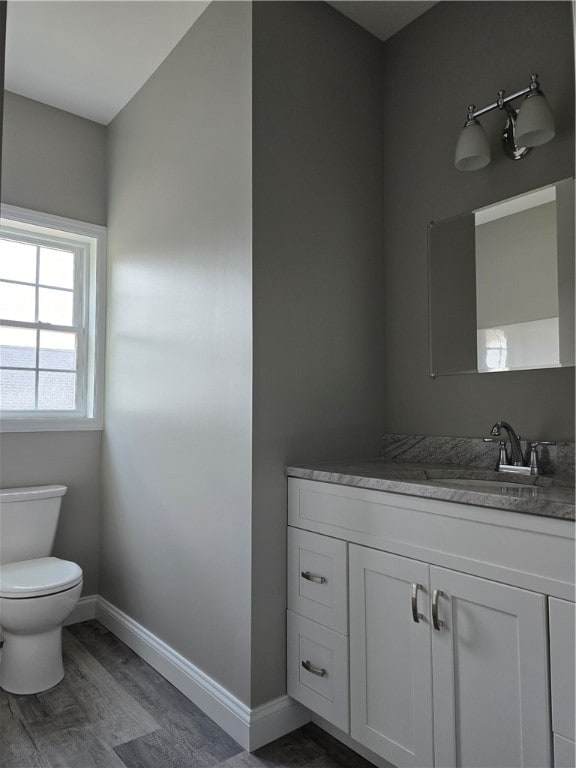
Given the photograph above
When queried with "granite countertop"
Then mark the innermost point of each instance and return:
(534, 495)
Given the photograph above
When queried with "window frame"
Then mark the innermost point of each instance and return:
(88, 242)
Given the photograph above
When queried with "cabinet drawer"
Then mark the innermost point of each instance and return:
(318, 669)
(318, 579)
(564, 752)
(562, 667)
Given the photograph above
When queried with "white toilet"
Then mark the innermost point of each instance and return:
(37, 592)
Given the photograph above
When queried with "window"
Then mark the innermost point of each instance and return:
(52, 273)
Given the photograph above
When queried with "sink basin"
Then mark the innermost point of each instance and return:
(477, 484)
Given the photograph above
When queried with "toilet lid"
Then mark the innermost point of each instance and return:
(34, 578)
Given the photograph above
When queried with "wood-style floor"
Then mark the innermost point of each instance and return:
(112, 710)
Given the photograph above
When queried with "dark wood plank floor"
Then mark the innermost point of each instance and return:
(112, 710)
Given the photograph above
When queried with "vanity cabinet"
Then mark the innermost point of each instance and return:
(317, 625)
(447, 633)
(562, 674)
(481, 646)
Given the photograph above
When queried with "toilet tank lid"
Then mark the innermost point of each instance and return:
(29, 494)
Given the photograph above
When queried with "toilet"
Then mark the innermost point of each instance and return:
(37, 592)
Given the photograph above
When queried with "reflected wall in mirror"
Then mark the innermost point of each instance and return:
(501, 282)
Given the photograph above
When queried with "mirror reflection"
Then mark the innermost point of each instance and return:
(502, 285)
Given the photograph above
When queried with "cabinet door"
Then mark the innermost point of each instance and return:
(563, 667)
(390, 671)
(490, 673)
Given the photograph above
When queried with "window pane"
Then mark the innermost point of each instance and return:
(58, 350)
(17, 302)
(17, 347)
(55, 307)
(17, 261)
(56, 391)
(17, 390)
(56, 268)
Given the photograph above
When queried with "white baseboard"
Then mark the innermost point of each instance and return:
(85, 609)
(275, 718)
(251, 728)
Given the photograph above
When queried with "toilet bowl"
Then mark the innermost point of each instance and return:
(36, 597)
(37, 592)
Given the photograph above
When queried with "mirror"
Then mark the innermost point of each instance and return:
(501, 285)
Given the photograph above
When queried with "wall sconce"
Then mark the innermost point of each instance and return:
(530, 126)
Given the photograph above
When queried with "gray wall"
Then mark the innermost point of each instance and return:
(177, 450)
(73, 459)
(54, 162)
(459, 53)
(318, 313)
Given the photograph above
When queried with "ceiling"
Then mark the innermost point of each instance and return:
(90, 57)
(383, 19)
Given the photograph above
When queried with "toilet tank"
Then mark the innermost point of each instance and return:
(28, 521)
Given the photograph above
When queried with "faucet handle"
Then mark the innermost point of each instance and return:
(536, 443)
(535, 468)
(503, 456)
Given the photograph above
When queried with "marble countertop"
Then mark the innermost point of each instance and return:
(533, 495)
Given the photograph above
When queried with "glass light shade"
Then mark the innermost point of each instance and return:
(535, 122)
(472, 149)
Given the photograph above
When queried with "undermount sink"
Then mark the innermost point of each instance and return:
(471, 483)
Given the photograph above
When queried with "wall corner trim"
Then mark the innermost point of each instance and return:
(251, 728)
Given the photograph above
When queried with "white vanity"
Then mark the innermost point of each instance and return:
(435, 633)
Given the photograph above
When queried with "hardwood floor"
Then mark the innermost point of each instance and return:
(112, 710)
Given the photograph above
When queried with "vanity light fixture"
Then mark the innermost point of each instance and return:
(529, 126)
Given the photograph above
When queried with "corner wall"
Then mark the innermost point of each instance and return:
(177, 451)
(455, 54)
(318, 274)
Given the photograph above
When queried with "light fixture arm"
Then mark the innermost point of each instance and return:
(503, 100)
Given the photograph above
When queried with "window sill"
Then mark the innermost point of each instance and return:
(53, 424)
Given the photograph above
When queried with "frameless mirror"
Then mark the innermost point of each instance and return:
(501, 282)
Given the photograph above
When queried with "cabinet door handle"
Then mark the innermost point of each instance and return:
(310, 577)
(314, 670)
(438, 623)
(415, 615)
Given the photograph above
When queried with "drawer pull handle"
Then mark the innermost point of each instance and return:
(438, 623)
(316, 579)
(314, 670)
(415, 615)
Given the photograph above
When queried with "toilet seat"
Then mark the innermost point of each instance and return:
(40, 577)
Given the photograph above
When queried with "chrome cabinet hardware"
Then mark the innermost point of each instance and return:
(314, 670)
(438, 623)
(316, 579)
(415, 615)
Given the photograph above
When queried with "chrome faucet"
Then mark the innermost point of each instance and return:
(516, 457)
(516, 462)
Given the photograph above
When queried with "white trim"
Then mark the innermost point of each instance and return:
(85, 609)
(44, 222)
(275, 718)
(93, 238)
(251, 728)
